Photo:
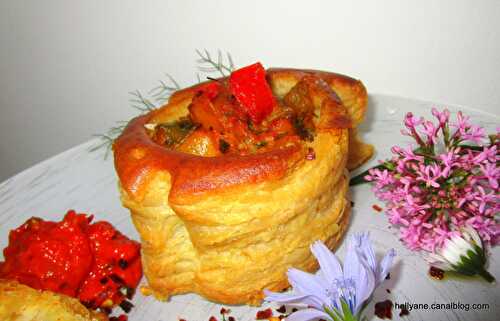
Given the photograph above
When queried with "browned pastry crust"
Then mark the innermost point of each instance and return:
(227, 227)
(351, 92)
(21, 302)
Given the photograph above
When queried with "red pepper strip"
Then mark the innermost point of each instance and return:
(252, 91)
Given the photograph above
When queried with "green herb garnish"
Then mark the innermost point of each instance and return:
(223, 146)
(177, 131)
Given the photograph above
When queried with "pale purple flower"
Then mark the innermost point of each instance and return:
(448, 158)
(485, 226)
(407, 183)
(365, 249)
(430, 131)
(488, 154)
(324, 292)
(474, 134)
(442, 117)
(407, 153)
(412, 206)
(449, 161)
(382, 177)
(495, 234)
(462, 124)
(429, 174)
(430, 193)
(491, 172)
(395, 217)
(484, 198)
(405, 132)
(412, 121)
(440, 236)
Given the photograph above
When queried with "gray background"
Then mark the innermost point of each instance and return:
(66, 67)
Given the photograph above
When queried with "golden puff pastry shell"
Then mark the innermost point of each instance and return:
(228, 227)
(19, 302)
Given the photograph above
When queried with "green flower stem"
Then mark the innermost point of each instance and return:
(486, 275)
(476, 148)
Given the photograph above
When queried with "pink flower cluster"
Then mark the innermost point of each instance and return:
(449, 180)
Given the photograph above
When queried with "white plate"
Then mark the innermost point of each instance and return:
(77, 179)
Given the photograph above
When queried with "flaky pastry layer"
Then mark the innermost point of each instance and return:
(19, 302)
(229, 227)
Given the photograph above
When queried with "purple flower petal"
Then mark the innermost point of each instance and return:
(307, 314)
(355, 284)
(357, 270)
(309, 300)
(385, 265)
(366, 250)
(283, 297)
(306, 283)
(351, 261)
(330, 266)
(365, 285)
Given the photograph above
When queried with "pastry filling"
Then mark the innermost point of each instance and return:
(240, 115)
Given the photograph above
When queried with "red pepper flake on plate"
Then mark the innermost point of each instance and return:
(281, 309)
(377, 208)
(225, 311)
(264, 314)
(436, 273)
(383, 309)
(404, 312)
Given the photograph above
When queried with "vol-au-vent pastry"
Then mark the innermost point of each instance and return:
(19, 302)
(230, 182)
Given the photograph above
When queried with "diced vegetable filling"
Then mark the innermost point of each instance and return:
(240, 115)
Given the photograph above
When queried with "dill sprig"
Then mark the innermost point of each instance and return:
(222, 64)
(106, 140)
(162, 92)
(141, 103)
(208, 65)
(137, 101)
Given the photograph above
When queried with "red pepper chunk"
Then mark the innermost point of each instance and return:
(53, 256)
(92, 262)
(252, 91)
(210, 89)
